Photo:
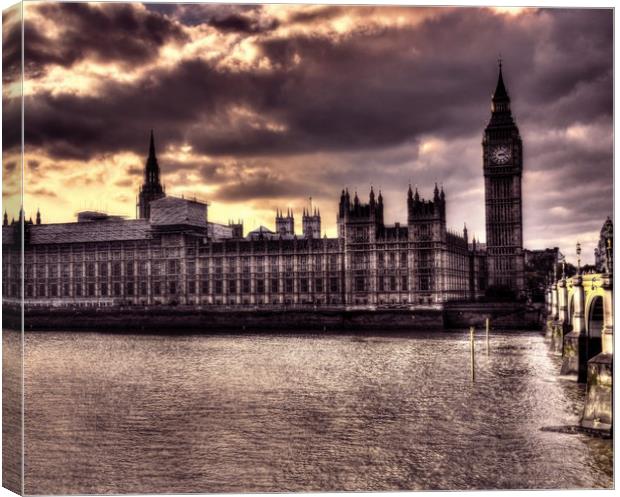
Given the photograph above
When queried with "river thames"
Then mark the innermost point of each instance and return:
(117, 413)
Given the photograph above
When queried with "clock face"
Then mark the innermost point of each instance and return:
(501, 154)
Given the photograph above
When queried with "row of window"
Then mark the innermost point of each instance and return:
(171, 287)
(172, 253)
(228, 286)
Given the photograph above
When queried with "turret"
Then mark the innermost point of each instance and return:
(285, 225)
(420, 209)
(38, 217)
(5, 222)
(237, 228)
(360, 214)
(311, 223)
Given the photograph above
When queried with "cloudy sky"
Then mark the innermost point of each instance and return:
(260, 107)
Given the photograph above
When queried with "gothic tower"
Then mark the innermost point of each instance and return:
(285, 225)
(311, 223)
(503, 166)
(151, 189)
(426, 221)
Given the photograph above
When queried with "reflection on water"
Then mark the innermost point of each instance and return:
(152, 413)
(12, 410)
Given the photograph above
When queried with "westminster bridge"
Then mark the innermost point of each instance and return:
(580, 329)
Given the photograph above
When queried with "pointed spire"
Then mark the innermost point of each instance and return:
(442, 195)
(500, 103)
(372, 195)
(409, 192)
(416, 196)
(5, 221)
(152, 145)
(151, 171)
(500, 95)
(380, 198)
(38, 216)
(436, 192)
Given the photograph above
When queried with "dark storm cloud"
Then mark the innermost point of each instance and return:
(226, 18)
(242, 24)
(364, 102)
(103, 33)
(369, 90)
(11, 43)
(262, 186)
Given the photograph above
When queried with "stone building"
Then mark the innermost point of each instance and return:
(503, 166)
(172, 255)
(601, 250)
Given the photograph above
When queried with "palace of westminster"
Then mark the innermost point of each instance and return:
(171, 254)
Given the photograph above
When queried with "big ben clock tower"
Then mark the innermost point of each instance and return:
(503, 166)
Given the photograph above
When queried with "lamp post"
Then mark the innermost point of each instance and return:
(578, 258)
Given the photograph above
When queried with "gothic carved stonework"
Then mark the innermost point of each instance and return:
(503, 165)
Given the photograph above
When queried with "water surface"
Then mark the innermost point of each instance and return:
(253, 413)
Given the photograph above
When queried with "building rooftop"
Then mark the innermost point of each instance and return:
(178, 211)
(110, 230)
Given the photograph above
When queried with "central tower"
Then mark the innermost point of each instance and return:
(151, 189)
(503, 165)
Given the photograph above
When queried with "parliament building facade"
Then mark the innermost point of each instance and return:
(172, 255)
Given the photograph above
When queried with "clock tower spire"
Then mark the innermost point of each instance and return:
(503, 166)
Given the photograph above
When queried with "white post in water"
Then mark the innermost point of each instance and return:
(487, 330)
(472, 346)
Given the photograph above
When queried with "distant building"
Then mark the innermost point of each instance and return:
(600, 252)
(172, 254)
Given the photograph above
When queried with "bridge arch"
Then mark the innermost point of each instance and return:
(595, 321)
